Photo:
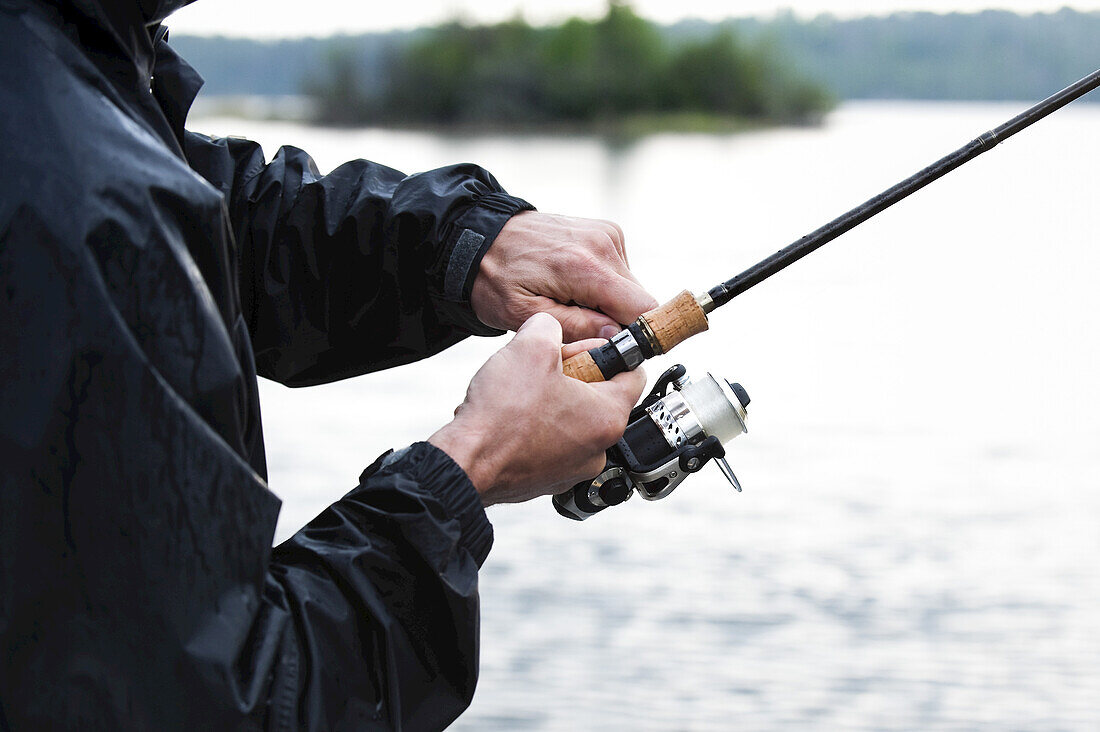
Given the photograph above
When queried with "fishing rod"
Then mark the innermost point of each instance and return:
(683, 424)
(658, 330)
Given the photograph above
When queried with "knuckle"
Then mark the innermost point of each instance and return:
(600, 240)
(616, 231)
(587, 264)
(576, 321)
(608, 243)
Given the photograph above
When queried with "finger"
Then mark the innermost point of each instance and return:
(622, 298)
(618, 397)
(601, 279)
(625, 389)
(578, 323)
(572, 349)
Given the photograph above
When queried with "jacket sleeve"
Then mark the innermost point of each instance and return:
(385, 627)
(361, 269)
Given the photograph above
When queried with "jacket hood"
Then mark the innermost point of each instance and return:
(124, 24)
(120, 13)
(154, 11)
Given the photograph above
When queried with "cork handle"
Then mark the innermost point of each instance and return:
(677, 320)
(583, 368)
(671, 324)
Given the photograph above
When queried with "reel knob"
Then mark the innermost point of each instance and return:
(615, 491)
(740, 393)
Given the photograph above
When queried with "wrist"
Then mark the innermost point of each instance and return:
(472, 237)
(468, 447)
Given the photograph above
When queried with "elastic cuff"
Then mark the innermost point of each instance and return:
(474, 232)
(435, 472)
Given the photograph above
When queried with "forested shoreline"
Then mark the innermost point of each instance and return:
(605, 71)
(518, 74)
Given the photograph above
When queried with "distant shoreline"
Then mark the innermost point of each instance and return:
(302, 110)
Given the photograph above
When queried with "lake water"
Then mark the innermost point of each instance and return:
(918, 542)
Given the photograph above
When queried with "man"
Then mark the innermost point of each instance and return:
(146, 276)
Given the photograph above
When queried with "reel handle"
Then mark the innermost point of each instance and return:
(653, 333)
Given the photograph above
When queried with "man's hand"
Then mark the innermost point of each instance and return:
(546, 263)
(526, 429)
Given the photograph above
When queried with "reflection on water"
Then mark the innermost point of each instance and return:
(918, 543)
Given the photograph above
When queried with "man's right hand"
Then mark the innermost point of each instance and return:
(526, 429)
(574, 269)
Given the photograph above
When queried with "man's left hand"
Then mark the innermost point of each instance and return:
(574, 269)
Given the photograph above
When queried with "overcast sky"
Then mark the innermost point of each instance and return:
(276, 18)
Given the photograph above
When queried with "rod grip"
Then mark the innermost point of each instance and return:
(664, 326)
(583, 368)
(674, 322)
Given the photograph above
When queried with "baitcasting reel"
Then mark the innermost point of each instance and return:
(669, 435)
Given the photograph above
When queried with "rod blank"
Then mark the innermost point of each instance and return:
(723, 293)
(603, 362)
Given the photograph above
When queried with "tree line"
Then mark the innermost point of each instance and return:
(989, 55)
(986, 55)
(580, 72)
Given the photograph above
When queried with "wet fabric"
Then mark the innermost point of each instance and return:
(147, 275)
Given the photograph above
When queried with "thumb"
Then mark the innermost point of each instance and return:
(539, 327)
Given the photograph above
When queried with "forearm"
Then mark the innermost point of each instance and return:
(358, 270)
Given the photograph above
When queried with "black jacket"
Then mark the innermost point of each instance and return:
(146, 276)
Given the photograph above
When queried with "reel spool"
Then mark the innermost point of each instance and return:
(679, 427)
